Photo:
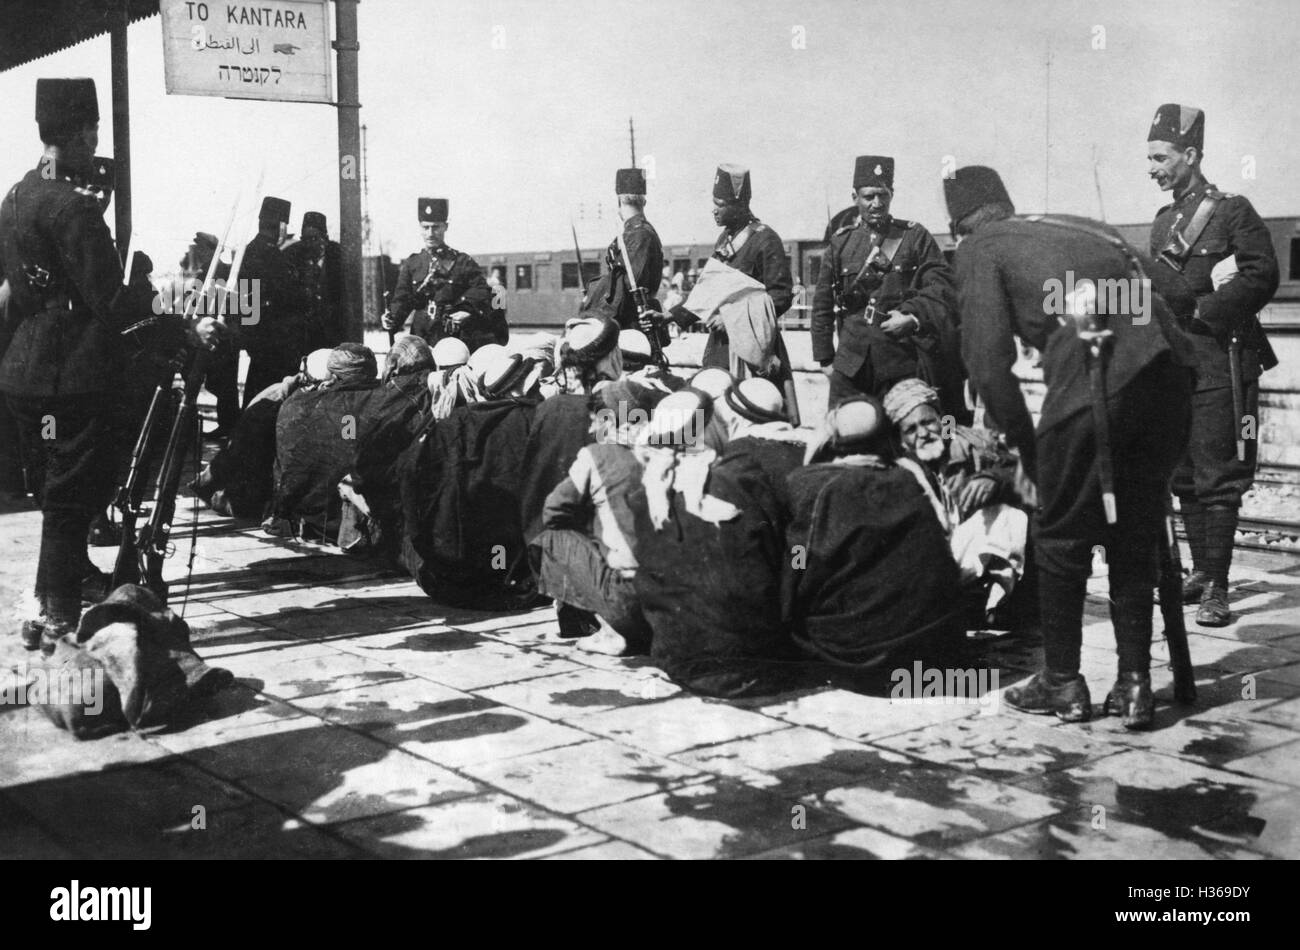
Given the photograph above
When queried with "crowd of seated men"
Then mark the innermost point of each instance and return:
(683, 519)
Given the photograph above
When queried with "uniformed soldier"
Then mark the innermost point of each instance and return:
(1029, 277)
(65, 358)
(445, 289)
(610, 296)
(754, 249)
(885, 287)
(1203, 237)
(275, 335)
(317, 263)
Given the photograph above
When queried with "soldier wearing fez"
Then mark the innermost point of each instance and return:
(445, 289)
(1217, 247)
(271, 322)
(884, 286)
(613, 295)
(754, 249)
(1118, 389)
(317, 264)
(65, 359)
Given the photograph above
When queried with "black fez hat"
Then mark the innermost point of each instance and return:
(274, 209)
(433, 210)
(1183, 126)
(972, 187)
(314, 219)
(66, 102)
(629, 181)
(731, 183)
(873, 171)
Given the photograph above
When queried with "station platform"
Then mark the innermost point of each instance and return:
(368, 721)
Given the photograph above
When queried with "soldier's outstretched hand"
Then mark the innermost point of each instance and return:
(389, 322)
(209, 331)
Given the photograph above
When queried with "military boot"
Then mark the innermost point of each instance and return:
(1131, 698)
(1063, 696)
(1214, 610)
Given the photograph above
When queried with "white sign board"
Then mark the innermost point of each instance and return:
(262, 49)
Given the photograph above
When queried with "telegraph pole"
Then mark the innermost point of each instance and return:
(349, 109)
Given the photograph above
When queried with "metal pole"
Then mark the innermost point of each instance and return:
(121, 131)
(349, 108)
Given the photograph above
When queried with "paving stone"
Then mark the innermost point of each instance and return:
(578, 777)
(33, 749)
(487, 826)
(935, 807)
(1271, 826)
(1076, 837)
(857, 716)
(583, 691)
(224, 718)
(676, 724)
(1170, 795)
(352, 621)
(854, 844)
(307, 670)
(396, 782)
(1228, 655)
(377, 709)
(609, 851)
(485, 664)
(1284, 713)
(791, 762)
(1278, 764)
(1003, 746)
(21, 839)
(494, 734)
(718, 819)
(1213, 737)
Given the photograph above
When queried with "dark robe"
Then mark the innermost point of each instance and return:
(871, 580)
(316, 435)
(712, 593)
(460, 485)
(559, 429)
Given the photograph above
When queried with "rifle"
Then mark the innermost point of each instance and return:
(641, 297)
(577, 251)
(1171, 612)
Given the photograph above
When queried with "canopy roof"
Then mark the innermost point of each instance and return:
(33, 29)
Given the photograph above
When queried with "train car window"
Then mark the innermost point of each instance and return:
(592, 270)
(814, 268)
(569, 275)
(523, 277)
(1293, 272)
(699, 265)
(681, 265)
(501, 275)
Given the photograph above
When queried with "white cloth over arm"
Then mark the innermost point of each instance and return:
(746, 311)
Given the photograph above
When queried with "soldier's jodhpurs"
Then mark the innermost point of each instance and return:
(1149, 421)
(73, 436)
(1209, 471)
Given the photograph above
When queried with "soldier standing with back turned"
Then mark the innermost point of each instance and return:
(63, 365)
(1203, 235)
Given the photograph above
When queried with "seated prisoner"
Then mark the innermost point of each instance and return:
(583, 558)
(758, 429)
(969, 478)
(460, 484)
(709, 548)
(315, 445)
(587, 355)
(398, 413)
(240, 479)
(869, 580)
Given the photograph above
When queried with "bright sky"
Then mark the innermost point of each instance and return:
(524, 138)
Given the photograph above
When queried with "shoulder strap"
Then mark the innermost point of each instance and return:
(1114, 240)
(1200, 218)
